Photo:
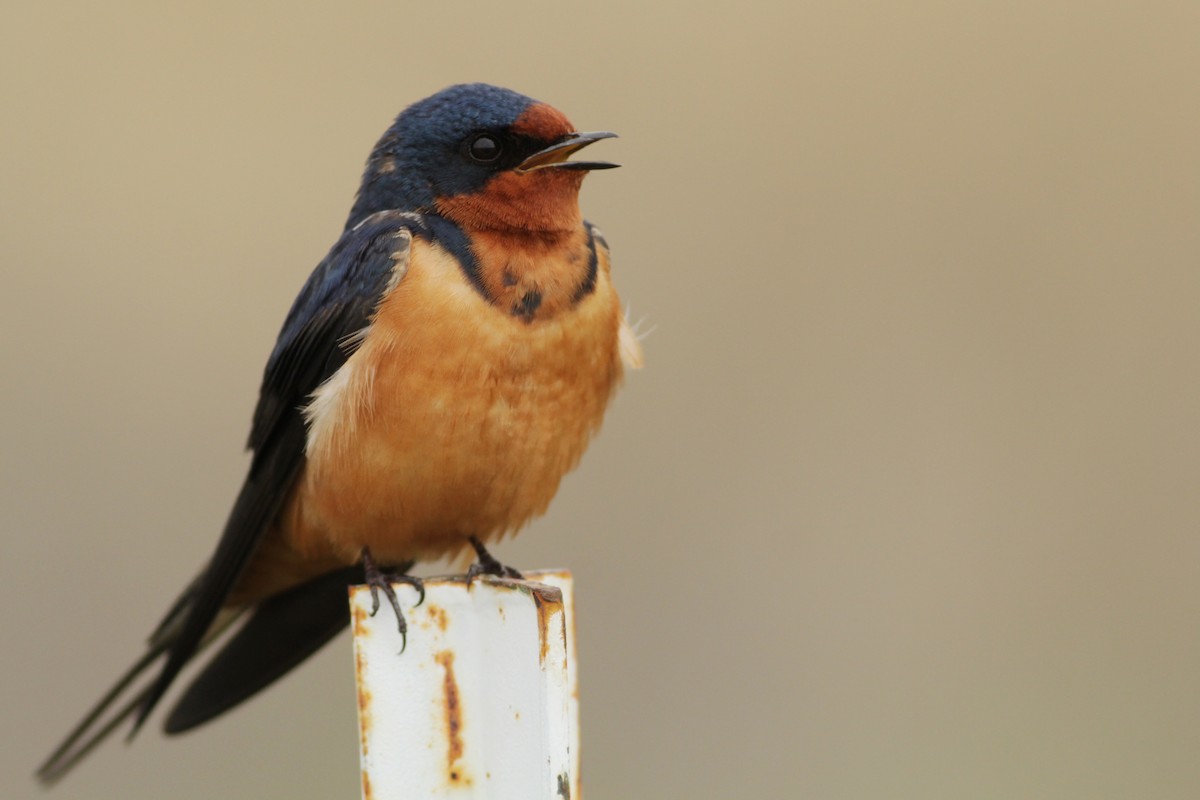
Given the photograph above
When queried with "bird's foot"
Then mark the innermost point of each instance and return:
(378, 579)
(488, 565)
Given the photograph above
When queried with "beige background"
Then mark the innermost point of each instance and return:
(904, 504)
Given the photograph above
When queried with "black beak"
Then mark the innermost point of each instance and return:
(556, 155)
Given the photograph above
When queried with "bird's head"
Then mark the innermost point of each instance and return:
(487, 158)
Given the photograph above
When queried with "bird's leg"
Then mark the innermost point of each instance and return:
(488, 565)
(377, 579)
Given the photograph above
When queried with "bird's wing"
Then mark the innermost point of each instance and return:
(337, 301)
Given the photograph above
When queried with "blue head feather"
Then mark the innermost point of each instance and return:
(420, 157)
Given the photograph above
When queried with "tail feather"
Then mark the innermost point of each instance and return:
(283, 631)
(89, 732)
(67, 754)
(66, 757)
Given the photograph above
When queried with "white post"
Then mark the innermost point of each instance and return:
(483, 703)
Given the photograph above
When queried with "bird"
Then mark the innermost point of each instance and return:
(441, 370)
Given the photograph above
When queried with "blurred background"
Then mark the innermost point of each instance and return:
(903, 505)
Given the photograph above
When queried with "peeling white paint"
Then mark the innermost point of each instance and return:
(482, 703)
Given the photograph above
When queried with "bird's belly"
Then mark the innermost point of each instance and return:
(436, 464)
(438, 431)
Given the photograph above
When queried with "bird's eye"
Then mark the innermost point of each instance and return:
(484, 148)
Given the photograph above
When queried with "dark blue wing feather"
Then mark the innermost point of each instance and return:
(336, 302)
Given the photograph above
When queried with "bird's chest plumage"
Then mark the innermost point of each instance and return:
(455, 417)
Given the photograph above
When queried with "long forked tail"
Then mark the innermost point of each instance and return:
(69, 753)
(124, 698)
(283, 631)
(280, 633)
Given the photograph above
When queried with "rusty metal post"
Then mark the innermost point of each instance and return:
(483, 703)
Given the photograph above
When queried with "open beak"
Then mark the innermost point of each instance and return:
(556, 155)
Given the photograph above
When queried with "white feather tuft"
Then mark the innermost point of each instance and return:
(629, 343)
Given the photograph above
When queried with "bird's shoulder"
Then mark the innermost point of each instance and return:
(335, 303)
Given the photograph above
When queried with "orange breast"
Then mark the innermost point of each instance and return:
(454, 418)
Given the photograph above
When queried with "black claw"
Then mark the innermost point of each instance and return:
(374, 598)
(488, 565)
(377, 579)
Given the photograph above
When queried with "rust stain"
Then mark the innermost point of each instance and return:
(547, 600)
(366, 784)
(364, 715)
(364, 694)
(437, 615)
(453, 708)
(360, 621)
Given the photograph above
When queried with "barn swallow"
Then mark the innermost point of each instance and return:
(440, 371)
